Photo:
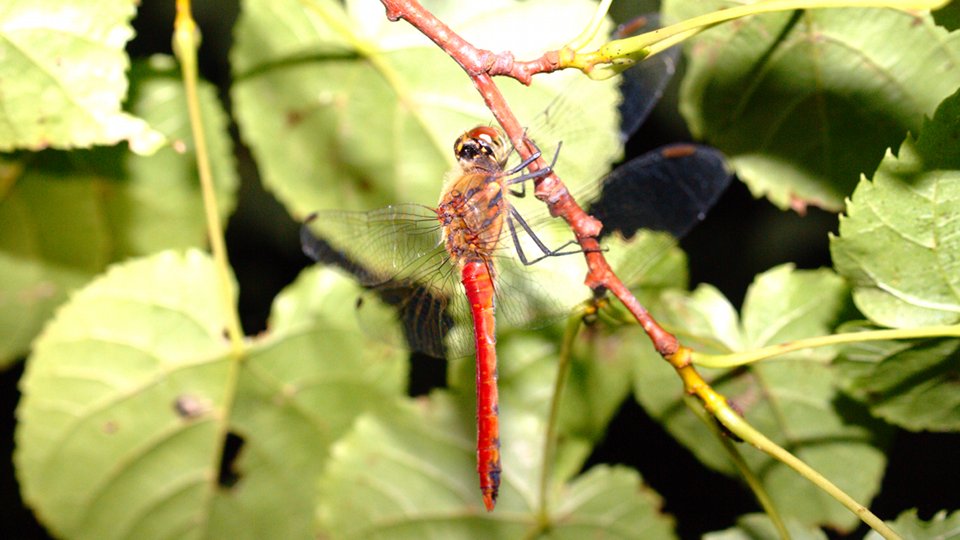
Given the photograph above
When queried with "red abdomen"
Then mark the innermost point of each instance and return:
(478, 284)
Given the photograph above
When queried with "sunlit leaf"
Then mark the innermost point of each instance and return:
(154, 202)
(804, 102)
(300, 389)
(899, 242)
(790, 399)
(344, 109)
(64, 216)
(648, 261)
(63, 77)
(410, 475)
(703, 319)
(941, 526)
(759, 527)
(105, 448)
(132, 390)
(912, 384)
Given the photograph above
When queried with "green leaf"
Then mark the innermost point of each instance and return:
(648, 261)
(899, 243)
(63, 76)
(759, 527)
(132, 389)
(65, 216)
(53, 238)
(599, 381)
(804, 102)
(102, 451)
(785, 304)
(942, 526)
(411, 475)
(299, 391)
(610, 501)
(791, 399)
(154, 202)
(948, 16)
(912, 384)
(344, 109)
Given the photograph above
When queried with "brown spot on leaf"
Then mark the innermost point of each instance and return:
(188, 406)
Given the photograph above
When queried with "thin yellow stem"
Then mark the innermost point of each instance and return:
(736, 424)
(550, 437)
(754, 483)
(590, 31)
(620, 54)
(186, 40)
(717, 406)
(747, 357)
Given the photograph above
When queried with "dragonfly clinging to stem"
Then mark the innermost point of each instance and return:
(450, 266)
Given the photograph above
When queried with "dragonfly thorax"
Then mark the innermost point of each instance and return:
(472, 207)
(471, 214)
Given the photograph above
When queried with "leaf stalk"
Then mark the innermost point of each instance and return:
(186, 39)
(749, 357)
(717, 406)
(550, 436)
(753, 482)
(737, 425)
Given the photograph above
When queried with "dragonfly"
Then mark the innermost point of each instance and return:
(455, 266)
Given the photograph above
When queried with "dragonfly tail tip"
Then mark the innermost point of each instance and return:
(490, 500)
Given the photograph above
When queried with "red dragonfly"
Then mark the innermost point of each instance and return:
(413, 255)
(464, 233)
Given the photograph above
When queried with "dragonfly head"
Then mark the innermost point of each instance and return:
(482, 147)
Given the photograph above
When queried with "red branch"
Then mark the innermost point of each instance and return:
(473, 60)
(481, 66)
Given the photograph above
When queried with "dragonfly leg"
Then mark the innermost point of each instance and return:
(539, 173)
(523, 164)
(515, 216)
(531, 159)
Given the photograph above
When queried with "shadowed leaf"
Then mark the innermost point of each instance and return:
(804, 102)
(899, 242)
(65, 216)
(791, 399)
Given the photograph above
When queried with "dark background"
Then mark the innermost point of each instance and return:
(740, 238)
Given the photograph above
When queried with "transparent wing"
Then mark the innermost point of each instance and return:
(424, 316)
(399, 244)
(642, 86)
(669, 189)
(397, 253)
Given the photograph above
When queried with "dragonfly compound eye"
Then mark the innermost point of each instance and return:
(486, 148)
(468, 150)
